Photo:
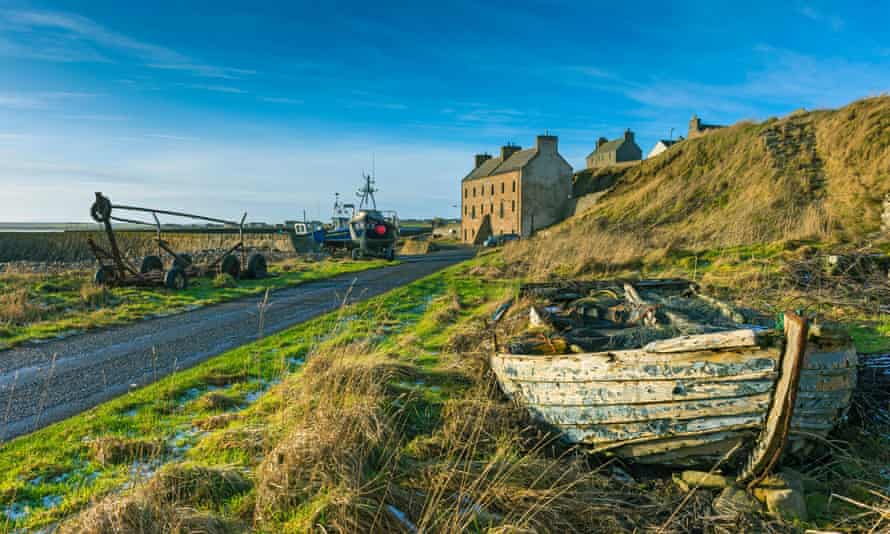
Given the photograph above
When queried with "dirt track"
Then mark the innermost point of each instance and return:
(44, 383)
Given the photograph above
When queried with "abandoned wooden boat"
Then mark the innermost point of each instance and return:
(686, 399)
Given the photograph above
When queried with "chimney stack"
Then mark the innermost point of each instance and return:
(509, 150)
(628, 135)
(546, 143)
(480, 159)
(601, 141)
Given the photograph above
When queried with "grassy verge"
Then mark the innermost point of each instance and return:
(56, 471)
(36, 306)
(380, 417)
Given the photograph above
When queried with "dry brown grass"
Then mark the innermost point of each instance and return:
(193, 484)
(17, 308)
(93, 296)
(139, 514)
(116, 450)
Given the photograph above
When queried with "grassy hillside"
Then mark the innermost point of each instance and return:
(811, 175)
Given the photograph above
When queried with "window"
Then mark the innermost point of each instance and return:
(491, 208)
(473, 212)
(514, 186)
(502, 187)
(465, 211)
(465, 192)
(514, 205)
(465, 234)
(474, 191)
(492, 189)
(502, 209)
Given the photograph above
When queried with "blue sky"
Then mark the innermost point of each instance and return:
(221, 107)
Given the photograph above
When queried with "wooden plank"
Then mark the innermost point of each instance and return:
(824, 382)
(612, 393)
(605, 434)
(774, 435)
(706, 454)
(659, 446)
(635, 365)
(714, 341)
(845, 358)
(630, 413)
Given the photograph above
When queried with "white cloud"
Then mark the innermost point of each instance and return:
(206, 71)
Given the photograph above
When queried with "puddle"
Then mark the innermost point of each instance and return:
(51, 501)
(16, 511)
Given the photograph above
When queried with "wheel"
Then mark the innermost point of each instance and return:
(151, 263)
(176, 279)
(356, 254)
(390, 254)
(104, 276)
(100, 211)
(256, 266)
(230, 265)
(183, 261)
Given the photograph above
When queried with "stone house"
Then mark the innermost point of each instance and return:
(516, 193)
(662, 145)
(697, 128)
(619, 150)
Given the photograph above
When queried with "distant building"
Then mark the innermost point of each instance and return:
(662, 145)
(516, 193)
(619, 150)
(697, 128)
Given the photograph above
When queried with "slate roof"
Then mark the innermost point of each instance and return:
(494, 166)
(609, 146)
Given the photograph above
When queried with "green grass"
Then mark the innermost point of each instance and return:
(62, 308)
(56, 464)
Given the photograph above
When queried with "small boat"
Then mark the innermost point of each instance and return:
(690, 395)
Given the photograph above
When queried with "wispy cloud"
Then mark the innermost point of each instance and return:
(93, 117)
(215, 88)
(170, 137)
(206, 71)
(281, 100)
(67, 37)
(37, 99)
(834, 22)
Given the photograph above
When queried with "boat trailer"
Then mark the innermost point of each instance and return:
(115, 270)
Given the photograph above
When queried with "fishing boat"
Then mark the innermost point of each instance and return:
(631, 370)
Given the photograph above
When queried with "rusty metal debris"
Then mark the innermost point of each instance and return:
(116, 270)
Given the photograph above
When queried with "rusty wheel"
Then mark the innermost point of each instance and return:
(231, 265)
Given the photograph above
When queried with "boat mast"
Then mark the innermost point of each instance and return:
(366, 193)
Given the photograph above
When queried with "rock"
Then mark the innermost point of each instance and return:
(734, 500)
(701, 479)
(536, 317)
(783, 495)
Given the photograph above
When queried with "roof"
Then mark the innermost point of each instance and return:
(608, 146)
(494, 166)
(668, 142)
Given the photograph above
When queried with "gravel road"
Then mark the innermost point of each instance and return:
(41, 383)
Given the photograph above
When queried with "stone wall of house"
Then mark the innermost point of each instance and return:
(497, 196)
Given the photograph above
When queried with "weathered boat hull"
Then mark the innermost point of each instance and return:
(686, 400)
